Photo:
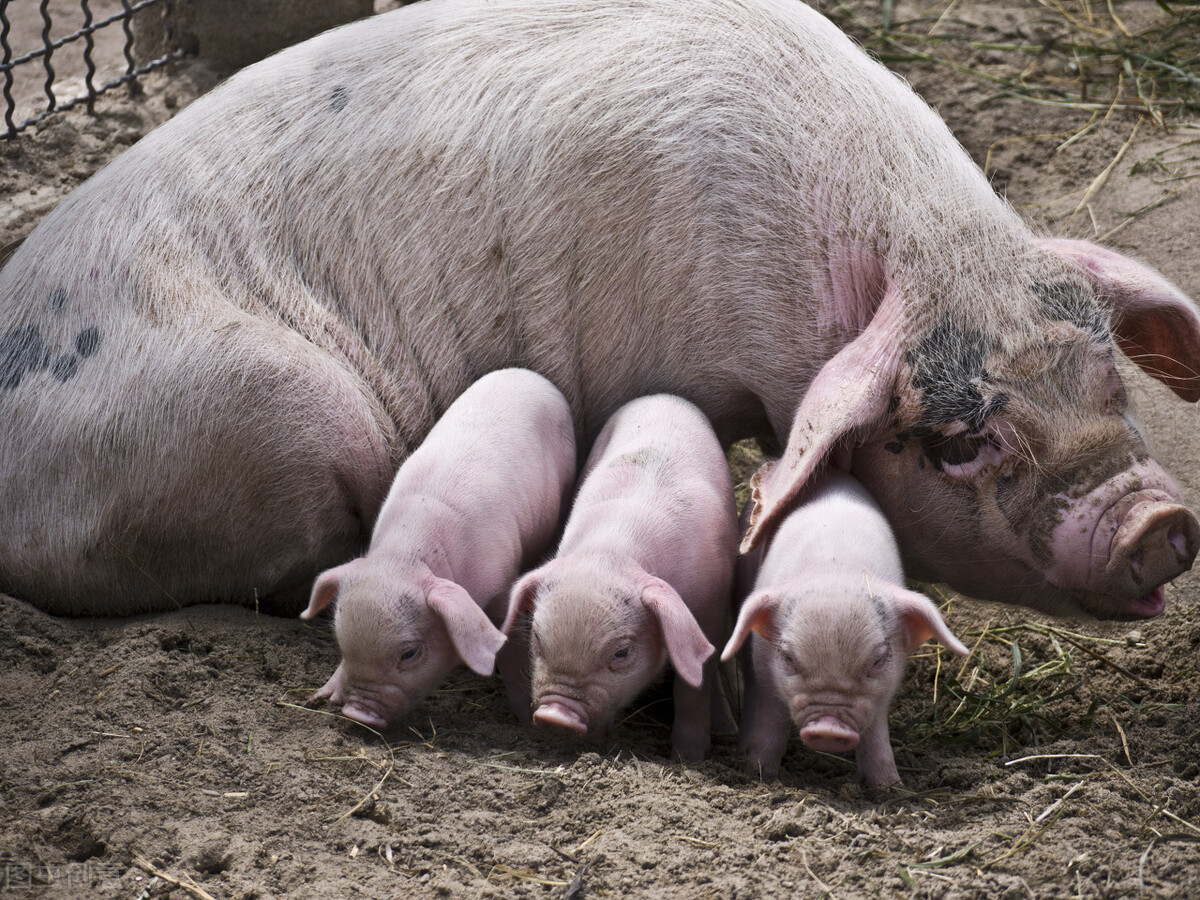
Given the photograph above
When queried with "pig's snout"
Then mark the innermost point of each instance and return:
(364, 715)
(829, 734)
(1123, 541)
(1154, 544)
(562, 712)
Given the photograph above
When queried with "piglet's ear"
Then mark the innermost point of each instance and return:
(757, 615)
(326, 587)
(847, 400)
(474, 636)
(686, 644)
(920, 620)
(1156, 325)
(523, 596)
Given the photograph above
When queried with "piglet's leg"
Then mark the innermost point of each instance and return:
(766, 722)
(513, 664)
(334, 689)
(876, 764)
(691, 735)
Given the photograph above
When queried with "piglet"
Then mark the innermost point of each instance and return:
(643, 573)
(478, 499)
(833, 626)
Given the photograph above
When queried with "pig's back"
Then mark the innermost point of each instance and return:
(839, 530)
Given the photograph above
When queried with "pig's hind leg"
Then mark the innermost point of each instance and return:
(194, 461)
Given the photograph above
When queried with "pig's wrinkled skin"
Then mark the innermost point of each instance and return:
(216, 352)
(643, 573)
(833, 626)
(478, 499)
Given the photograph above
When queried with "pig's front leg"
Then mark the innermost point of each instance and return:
(876, 764)
(334, 689)
(766, 722)
(691, 735)
(512, 662)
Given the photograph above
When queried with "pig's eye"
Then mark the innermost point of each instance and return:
(962, 455)
(791, 663)
(409, 654)
(880, 656)
(621, 657)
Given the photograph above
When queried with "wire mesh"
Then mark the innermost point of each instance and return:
(53, 99)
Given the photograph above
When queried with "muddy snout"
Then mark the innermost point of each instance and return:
(1155, 543)
(829, 734)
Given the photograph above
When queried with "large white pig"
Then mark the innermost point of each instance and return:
(216, 352)
(642, 574)
(477, 501)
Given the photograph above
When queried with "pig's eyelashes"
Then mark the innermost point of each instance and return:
(790, 661)
(962, 455)
(621, 658)
(409, 655)
(879, 658)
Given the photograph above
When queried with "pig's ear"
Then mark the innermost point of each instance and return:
(847, 400)
(1156, 325)
(523, 596)
(686, 644)
(920, 620)
(326, 587)
(474, 636)
(757, 615)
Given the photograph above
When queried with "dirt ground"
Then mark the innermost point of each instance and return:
(173, 755)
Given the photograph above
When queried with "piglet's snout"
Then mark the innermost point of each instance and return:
(561, 712)
(364, 715)
(829, 734)
(1155, 543)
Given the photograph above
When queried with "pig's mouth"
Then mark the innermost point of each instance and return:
(364, 715)
(561, 712)
(1147, 606)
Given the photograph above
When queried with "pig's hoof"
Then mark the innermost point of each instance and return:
(761, 771)
(690, 752)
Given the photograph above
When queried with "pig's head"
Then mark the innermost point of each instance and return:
(997, 436)
(401, 631)
(836, 649)
(600, 633)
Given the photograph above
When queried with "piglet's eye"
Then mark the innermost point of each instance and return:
(409, 653)
(791, 663)
(621, 657)
(881, 655)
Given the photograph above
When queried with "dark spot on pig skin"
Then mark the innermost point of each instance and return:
(893, 404)
(87, 342)
(886, 616)
(1041, 529)
(947, 368)
(894, 447)
(65, 367)
(21, 351)
(339, 98)
(1063, 301)
(58, 299)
